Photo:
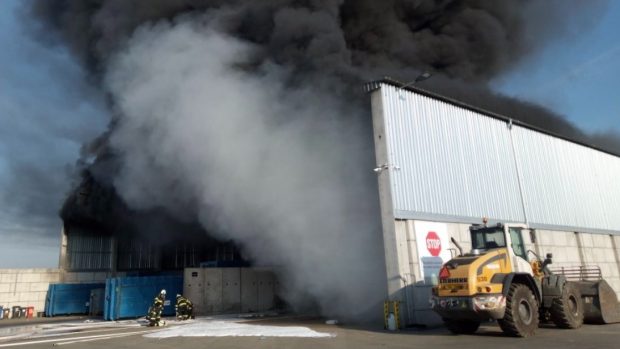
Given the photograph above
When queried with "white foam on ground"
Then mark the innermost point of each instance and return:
(234, 329)
(40, 330)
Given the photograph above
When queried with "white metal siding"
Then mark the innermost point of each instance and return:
(608, 181)
(448, 161)
(567, 184)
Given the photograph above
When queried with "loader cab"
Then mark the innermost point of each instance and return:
(508, 236)
(487, 238)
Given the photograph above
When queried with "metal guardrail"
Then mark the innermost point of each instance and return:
(580, 273)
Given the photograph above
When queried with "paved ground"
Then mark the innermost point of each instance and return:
(80, 334)
(42, 320)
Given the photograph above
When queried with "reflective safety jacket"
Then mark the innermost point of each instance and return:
(158, 302)
(183, 302)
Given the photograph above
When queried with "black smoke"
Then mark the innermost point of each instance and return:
(468, 40)
(465, 43)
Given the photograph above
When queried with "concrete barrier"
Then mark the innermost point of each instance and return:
(230, 290)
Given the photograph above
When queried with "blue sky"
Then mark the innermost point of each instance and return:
(47, 112)
(577, 76)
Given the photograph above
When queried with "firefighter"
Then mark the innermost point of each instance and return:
(154, 314)
(184, 308)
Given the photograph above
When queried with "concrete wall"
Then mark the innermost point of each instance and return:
(88, 276)
(26, 287)
(230, 290)
(573, 249)
(569, 249)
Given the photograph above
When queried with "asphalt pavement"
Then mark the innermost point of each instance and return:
(130, 334)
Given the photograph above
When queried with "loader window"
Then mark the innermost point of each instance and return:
(517, 243)
(486, 239)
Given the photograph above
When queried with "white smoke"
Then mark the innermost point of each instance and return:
(276, 169)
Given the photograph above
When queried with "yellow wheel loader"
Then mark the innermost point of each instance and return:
(498, 281)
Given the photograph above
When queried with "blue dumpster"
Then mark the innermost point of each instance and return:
(130, 297)
(66, 299)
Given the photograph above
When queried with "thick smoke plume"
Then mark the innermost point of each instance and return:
(247, 115)
(274, 168)
(465, 43)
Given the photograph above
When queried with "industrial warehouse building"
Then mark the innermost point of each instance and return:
(441, 166)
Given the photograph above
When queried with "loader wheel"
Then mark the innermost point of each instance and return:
(521, 316)
(461, 326)
(567, 310)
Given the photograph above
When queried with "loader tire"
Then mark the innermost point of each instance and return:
(461, 326)
(567, 310)
(521, 316)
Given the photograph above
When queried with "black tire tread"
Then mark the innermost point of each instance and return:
(509, 324)
(560, 312)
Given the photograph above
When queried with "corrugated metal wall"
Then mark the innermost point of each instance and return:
(450, 163)
(567, 184)
(91, 249)
(86, 251)
(138, 254)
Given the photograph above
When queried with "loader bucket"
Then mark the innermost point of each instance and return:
(600, 302)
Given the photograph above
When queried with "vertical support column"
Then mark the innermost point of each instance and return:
(114, 256)
(614, 245)
(394, 248)
(63, 262)
(519, 173)
(535, 236)
(582, 259)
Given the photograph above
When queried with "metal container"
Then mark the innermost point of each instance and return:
(97, 297)
(130, 297)
(16, 312)
(28, 312)
(66, 299)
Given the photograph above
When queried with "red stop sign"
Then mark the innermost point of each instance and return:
(433, 243)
